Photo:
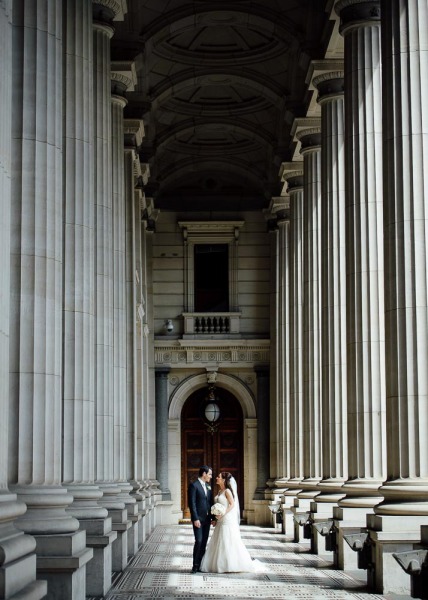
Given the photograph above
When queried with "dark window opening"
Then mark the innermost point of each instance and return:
(211, 278)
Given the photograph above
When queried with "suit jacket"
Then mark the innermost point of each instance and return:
(199, 503)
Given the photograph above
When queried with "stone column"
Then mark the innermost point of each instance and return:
(310, 140)
(35, 448)
(280, 420)
(333, 298)
(311, 151)
(17, 557)
(262, 431)
(275, 421)
(397, 520)
(152, 484)
(133, 309)
(140, 345)
(360, 25)
(102, 33)
(120, 400)
(79, 292)
(161, 395)
(293, 175)
(104, 399)
(119, 290)
(142, 239)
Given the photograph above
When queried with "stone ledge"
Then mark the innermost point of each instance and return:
(100, 541)
(64, 563)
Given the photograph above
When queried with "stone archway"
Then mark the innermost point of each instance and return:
(247, 402)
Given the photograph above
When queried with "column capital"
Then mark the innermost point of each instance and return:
(134, 133)
(317, 68)
(123, 76)
(103, 27)
(357, 13)
(330, 86)
(292, 175)
(310, 139)
(306, 124)
(120, 100)
(108, 10)
(278, 209)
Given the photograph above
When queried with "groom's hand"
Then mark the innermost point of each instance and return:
(197, 523)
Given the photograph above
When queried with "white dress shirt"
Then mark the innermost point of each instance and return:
(204, 485)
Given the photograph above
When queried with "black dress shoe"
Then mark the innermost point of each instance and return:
(195, 569)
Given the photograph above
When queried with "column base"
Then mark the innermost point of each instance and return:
(348, 521)
(322, 511)
(121, 525)
(133, 534)
(99, 537)
(302, 505)
(18, 579)
(33, 591)
(17, 551)
(61, 560)
(287, 516)
(390, 534)
(262, 516)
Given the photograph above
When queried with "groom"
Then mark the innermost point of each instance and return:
(200, 502)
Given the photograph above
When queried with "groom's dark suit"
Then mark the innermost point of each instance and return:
(200, 510)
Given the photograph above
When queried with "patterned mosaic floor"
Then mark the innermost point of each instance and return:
(161, 569)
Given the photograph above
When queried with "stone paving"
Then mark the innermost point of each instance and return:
(161, 569)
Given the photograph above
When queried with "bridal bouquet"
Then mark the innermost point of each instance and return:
(218, 509)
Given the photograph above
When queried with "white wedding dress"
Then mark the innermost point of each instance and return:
(226, 552)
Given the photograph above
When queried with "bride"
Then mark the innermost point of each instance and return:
(226, 552)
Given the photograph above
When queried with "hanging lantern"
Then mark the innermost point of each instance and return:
(211, 413)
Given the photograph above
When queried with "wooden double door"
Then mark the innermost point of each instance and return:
(222, 449)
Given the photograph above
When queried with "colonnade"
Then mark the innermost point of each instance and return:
(78, 483)
(356, 271)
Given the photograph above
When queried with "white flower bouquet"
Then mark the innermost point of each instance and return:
(218, 509)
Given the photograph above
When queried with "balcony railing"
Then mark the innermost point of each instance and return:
(218, 323)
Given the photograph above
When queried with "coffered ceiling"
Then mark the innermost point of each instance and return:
(219, 85)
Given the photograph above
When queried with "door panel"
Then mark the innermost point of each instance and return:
(222, 450)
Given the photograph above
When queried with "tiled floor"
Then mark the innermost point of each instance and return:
(161, 569)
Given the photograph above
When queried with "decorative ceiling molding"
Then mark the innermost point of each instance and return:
(228, 76)
(192, 15)
(220, 83)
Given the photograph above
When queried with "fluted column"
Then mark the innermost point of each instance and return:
(360, 26)
(17, 558)
(119, 289)
(36, 270)
(333, 287)
(405, 76)
(79, 283)
(36, 450)
(294, 180)
(133, 334)
(311, 150)
(283, 343)
(132, 283)
(397, 521)
(102, 33)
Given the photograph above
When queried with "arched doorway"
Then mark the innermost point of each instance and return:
(221, 449)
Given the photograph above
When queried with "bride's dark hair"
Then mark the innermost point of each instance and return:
(227, 477)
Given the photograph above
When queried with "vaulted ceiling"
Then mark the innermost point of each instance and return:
(219, 85)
